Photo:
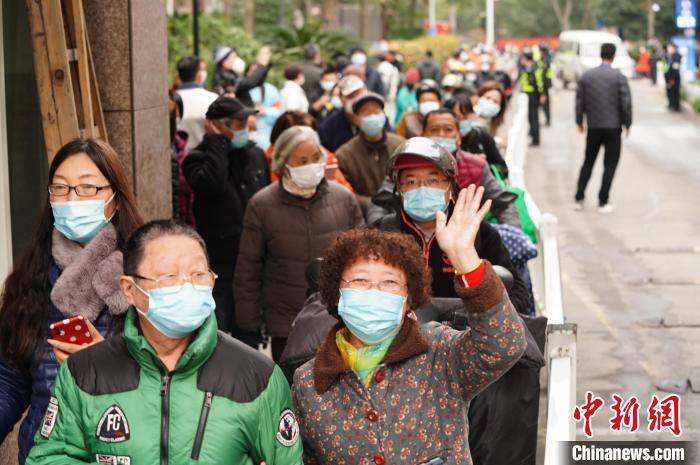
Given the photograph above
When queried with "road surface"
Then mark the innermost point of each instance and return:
(631, 279)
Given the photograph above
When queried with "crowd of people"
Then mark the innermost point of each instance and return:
(394, 178)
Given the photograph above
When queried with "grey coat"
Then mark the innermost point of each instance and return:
(603, 95)
(281, 235)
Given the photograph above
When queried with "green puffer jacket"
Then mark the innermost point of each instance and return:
(116, 403)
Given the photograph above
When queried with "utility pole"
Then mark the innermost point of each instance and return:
(652, 9)
(432, 28)
(490, 26)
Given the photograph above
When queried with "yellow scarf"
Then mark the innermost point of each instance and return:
(365, 360)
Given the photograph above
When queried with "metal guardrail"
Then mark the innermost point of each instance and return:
(546, 279)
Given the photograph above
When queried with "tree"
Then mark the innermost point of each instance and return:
(329, 12)
(563, 14)
(249, 16)
(586, 17)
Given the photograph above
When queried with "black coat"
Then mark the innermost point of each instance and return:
(603, 96)
(227, 81)
(223, 180)
(480, 141)
(488, 245)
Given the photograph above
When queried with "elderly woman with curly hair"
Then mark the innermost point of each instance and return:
(382, 388)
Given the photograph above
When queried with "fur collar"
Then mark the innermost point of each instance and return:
(329, 363)
(89, 277)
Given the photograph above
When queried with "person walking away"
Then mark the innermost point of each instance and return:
(287, 225)
(532, 84)
(195, 100)
(171, 389)
(363, 158)
(224, 171)
(312, 70)
(230, 77)
(428, 68)
(406, 100)
(603, 96)
(71, 269)
(672, 74)
(293, 96)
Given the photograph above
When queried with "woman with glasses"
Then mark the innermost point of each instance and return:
(383, 389)
(72, 269)
(171, 389)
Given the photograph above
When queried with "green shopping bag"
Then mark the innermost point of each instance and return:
(526, 223)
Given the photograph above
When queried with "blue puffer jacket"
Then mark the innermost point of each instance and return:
(31, 385)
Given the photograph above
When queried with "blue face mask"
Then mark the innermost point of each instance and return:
(487, 108)
(371, 316)
(373, 125)
(426, 107)
(422, 204)
(178, 314)
(449, 144)
(80, 220)
(466, 126)
(327, 86)
(239, 139)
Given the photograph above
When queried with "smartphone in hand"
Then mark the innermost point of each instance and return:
(72, 330)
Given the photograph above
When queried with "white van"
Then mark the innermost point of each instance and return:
(579, 51)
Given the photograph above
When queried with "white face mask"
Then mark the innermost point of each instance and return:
(307, 176)
(238, 66)
(203, 77)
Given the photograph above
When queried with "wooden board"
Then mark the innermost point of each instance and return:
(66, 82)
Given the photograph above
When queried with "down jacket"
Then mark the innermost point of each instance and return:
(415, 407)
(282, 233)
(30, 386)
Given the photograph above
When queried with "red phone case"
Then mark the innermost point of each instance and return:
(71, 330)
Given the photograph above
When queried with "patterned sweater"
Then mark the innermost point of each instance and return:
(415, 408)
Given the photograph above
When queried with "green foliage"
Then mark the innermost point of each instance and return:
(696, 105)
(414, 50)
(288, 43)
(214, 31)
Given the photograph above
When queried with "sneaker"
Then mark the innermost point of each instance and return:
(607, 208)
(578, 206)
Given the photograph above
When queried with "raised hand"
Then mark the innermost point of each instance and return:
(456, 238)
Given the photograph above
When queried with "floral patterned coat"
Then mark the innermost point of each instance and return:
(415, 407)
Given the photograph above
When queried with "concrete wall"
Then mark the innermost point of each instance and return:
(130, 51)
(129, 48)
